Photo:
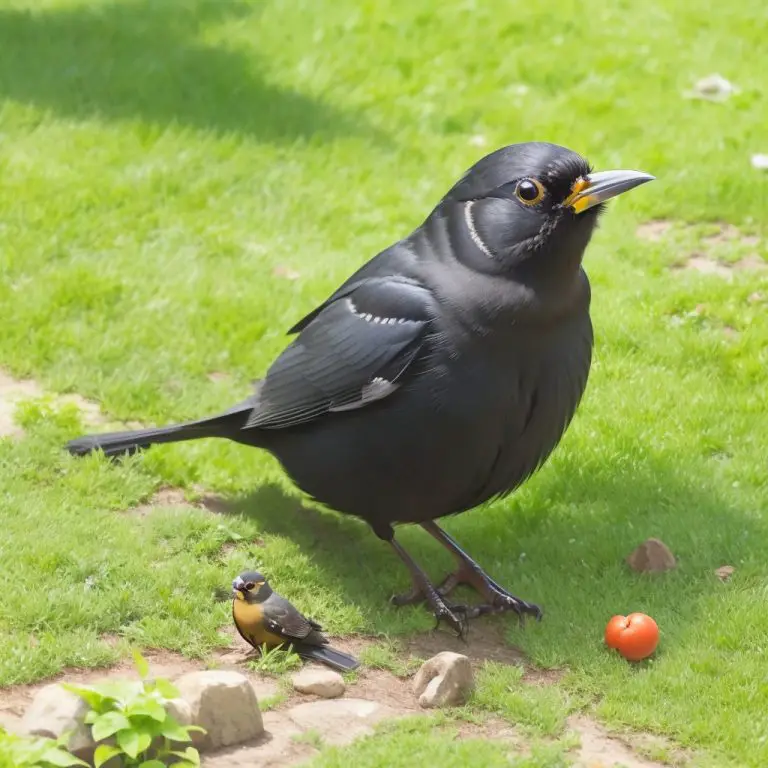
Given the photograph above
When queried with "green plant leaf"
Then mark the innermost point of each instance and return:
(149, 707)
(103, 753)
(129, 741)
(109, 723)
(145, 739)
(190, 754)
(90, 717)
(153, 764)
(61, 758)
(142, 665)
(122, 691)
(174, 731)
(93, 698)
(166, 689)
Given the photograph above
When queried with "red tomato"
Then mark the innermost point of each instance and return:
(635, 636)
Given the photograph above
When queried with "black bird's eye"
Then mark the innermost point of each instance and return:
(249, 586)
(529, 191)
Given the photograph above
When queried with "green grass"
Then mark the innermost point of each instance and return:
(431, 742)
(159, 161)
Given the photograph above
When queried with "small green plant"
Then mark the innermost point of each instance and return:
(389, 654)
(134, 715)
(270, 702)
(275, 661)
(311, 737)
(34, 752)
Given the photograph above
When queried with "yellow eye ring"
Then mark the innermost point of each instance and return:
(529, 191)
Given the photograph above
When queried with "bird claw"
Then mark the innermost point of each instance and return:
(501, 601)
(455, 616)
(498, 600)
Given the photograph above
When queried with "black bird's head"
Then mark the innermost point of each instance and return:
(530, 210)
(251, 586)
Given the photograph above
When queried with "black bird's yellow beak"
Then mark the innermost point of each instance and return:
(596, 188)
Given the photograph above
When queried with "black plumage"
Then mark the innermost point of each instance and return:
(444, 371)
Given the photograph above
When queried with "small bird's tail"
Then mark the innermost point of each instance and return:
(226, 424)
(338, 660)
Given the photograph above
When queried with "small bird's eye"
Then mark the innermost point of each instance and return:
(529, 191)
(249, 586)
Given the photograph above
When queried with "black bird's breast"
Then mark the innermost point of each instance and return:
(477, 413)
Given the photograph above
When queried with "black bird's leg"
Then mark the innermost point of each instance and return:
(469, 572)
(423, 586)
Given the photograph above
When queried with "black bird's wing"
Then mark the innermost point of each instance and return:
(349, 353)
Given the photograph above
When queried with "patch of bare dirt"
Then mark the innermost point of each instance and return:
(493, 729)
(701, 263)
(537, 676)
(175, 497)
(386, 688)
(654, 230)
(708, 265)
(13, 391)
(651, 744)
(752, 262)
(283, 270)
(659, 229)
(485, 642)
(600, 749)
(727, 233)
(705, 259)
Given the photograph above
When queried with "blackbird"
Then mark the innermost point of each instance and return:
(262, 617)
(444, 371)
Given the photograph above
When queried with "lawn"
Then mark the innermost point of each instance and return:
(179, 183)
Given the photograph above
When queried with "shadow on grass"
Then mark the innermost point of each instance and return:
(363, 567)
(143, 59)
(561, 544)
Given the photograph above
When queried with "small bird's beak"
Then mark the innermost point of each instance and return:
(238, 588)
(596, 188)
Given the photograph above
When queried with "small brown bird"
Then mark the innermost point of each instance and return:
(263, 617)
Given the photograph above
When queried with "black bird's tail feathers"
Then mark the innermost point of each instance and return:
(226, 424)
(338, 660)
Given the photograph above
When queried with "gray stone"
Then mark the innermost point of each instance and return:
(55, 711)
(277, 747)
(444, 680)
(225, 704)
(339, 721)
(180, 710)
(265, 689)
(326, 683)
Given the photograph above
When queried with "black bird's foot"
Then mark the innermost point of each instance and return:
(455, 616)
(416, 595)
(497, 599)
